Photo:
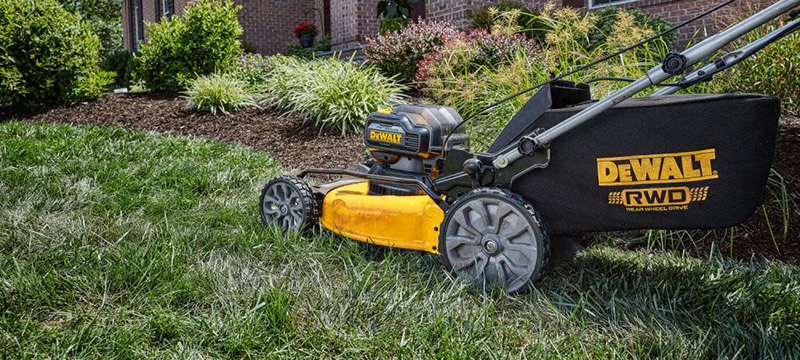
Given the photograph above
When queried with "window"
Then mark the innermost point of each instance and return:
(601, 3)
(167, 7)
(137, 28)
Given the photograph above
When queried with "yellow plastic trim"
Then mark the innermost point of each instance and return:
(405, 222)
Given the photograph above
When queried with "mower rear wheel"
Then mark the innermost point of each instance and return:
(288, 203)
(494, 239)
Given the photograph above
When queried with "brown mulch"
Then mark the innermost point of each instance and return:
(291, 144)
(296, 146)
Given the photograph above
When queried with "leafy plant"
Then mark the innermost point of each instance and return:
(218, 93)
(253, 70)
(607, 18)
(526, 20)
(392, 25)
(205, 40)
(48, 56)
(121, 64)
(392, 9)
(104, 17)
(330, 93)
(399, 53)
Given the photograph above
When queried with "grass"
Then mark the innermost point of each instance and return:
(124, 244)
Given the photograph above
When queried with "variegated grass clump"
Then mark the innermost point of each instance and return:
(330, 93)
(219, 93)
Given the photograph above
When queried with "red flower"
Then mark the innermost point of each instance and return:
(305, 28)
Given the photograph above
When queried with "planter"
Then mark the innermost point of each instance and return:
(306, 41)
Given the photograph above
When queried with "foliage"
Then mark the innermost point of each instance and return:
(124, 244)
(469, 83)
(774, 70)
(121, 64)
(526, 19)
(205, 40)
(48, 56)
(330, 93)
(218, 93)
(607, 18)
(253, 70)
(475, 51)
(392, 25)
(394, 9)
(399, 53)
(305, 28)
(105, 19)
(322, 44)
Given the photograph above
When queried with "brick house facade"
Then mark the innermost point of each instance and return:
(268, 24)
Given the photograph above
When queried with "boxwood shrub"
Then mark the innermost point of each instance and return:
(48, 56)
(205, 40)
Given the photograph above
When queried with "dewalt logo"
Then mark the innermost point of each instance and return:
(388, 137)
(657, 169)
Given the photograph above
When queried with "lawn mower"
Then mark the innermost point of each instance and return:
(660, 162)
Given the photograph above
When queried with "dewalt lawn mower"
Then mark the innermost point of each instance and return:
(659, 162)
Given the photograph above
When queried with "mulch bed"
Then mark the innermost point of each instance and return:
(293, 145)
(296, 146)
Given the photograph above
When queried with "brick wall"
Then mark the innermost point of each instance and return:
(269, 24)
(352, 21)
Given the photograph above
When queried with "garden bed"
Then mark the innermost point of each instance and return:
(284, 137)
(296, 146)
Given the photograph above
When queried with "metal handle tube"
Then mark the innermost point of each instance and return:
(733, 58)
(656, 75)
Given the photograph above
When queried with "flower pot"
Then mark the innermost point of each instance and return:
(306, 41)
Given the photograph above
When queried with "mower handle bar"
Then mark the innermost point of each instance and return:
(730, 59)
(655, 76)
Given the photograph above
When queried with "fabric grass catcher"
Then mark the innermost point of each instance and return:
(565, 164)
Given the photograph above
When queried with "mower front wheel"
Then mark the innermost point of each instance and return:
(288, 203)
(493, 238)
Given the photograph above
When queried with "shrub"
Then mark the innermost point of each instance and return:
(472, 52)
(607, 18)
(399, 53)
(218, 93)
(48, 56)
(205, 40)
(526, 19)
(330, 93)
(121, 64)
(392, 25)
(457, 77)
(772, 71)
(253, 70)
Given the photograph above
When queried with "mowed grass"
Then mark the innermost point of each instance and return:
(124, 244)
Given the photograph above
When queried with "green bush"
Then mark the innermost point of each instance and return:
(48, 56)
(104, 17)
(121, 64)
(607, 18)
(772, 71)
(218, 93)
(527, 20)
(205, 40)
(392, 25)
(253, 70)
(330, 93)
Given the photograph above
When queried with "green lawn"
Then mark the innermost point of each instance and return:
(124, 244)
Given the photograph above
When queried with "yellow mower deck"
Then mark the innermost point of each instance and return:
(406, 222)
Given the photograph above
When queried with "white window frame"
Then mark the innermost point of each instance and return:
(592, 4)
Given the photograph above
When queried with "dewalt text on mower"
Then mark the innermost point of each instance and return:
(659, 162)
